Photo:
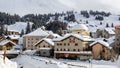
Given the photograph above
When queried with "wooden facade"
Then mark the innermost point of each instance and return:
(100, 51)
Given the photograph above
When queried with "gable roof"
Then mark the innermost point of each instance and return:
(38, 32)
(46, 40)
(83, 38)
(3, 42)
(101, 42)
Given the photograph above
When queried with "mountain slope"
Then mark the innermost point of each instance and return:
(23, 7)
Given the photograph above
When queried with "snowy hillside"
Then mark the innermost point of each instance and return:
(23, 7)
(18, 26)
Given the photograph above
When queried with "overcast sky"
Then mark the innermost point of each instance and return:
(23, 7)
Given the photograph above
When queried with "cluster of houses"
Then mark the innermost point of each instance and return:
(75, 43)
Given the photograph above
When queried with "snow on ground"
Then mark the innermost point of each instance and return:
(30, 61)
(18, 26)
(7, 64)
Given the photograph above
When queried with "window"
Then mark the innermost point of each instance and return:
(64, 44)
(74, 49)
(76, 44)
(68, 49)
(44, 52)
(68, 44)
(78, 49)
(43, 45)
(58, 44)
(64, 50)
(48, 46)
(61, 49)
(57, 49)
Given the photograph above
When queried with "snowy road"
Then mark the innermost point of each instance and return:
(28, 61)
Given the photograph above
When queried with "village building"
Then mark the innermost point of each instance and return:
(117, 39)
(101, 50)
(81, 29)
(108, 32)
(45, 47)
(72, 46)
(9, 44)
(30, 39)
(13, 38)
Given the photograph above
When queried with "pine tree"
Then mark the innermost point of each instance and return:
(6, 31)
(100, 23)
(22, 33)
(112, 25)
(28, 30)
(107, 25)
(1, 29)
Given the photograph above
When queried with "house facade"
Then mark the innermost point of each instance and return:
(45, 47)
(117, 39)
(30, 39)
(9, 44)
(72, 46)
(101, 50)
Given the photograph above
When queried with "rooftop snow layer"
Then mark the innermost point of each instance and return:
(46, 40)
(101, 42)
(79, 26)
(75, 35)
(38, 32)
(5, 42)
(110, 30)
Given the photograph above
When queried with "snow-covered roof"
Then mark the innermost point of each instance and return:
(46, 40)
(18, 26)
(87, 38)
(79, 26)
(45, 48)
(3, 42)
(13, 36)
(101, 42)
(110, 30)
(38, 32)
(111, 39)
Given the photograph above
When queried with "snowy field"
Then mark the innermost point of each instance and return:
(28, 61)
